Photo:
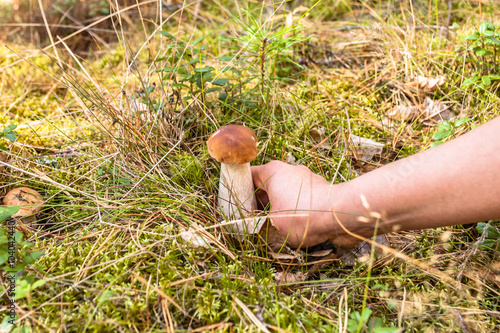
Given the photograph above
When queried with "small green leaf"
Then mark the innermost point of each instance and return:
(195, 61)
(460, 122)
(489, 33)
(220, 82)
(6, 326)
(481, 52)
(182, 70)
(166, 34)
(472, 37)
(223, 97)
(492, 232)
(7, 211)
(11, 136)
(204, 69)
(23, 287)
(366, 314)
(493, 244)
(475, 48)
(18, 236)
(31, 257)
(486, 80)
(197, 41)
(352, 326)
(440, 135)
(483, 27)
(494, 40)
(207, 76)
(37, 284)
(206, 91)
(494, 77)
(235, 71)
(9, 128)
(4, 256)
(470, 81)
(455, 25)
(226, 58)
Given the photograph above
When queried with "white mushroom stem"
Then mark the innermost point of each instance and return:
(236, 190)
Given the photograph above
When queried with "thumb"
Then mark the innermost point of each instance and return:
(262, 174)
(258, 175)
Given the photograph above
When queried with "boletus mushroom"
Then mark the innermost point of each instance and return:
(29, 200)
(235, 146)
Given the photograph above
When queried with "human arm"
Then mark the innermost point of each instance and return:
(455, 183)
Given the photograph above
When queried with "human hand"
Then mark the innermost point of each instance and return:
(300, 201)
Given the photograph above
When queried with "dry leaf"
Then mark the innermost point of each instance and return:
(273, 237)
(289, 277)
(437, 111)
(192, 237)
(366, 149)
(290, 159)
(319, 135)
(428, 83)
(137, 106)
(283, 257)
(349, 256)
(387, 123)
(300, 10)
(431, 110)
(403, 113)
(244, 227)
(325, 261)
(319, 254)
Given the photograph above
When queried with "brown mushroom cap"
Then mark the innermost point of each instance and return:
(30, 201)
(233, 144)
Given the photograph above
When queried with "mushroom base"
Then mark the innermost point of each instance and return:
(236, 191)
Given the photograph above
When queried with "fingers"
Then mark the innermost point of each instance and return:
(262, 174)
(262, 177)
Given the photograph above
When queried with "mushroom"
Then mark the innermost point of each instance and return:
(235, 146)
(29, 200)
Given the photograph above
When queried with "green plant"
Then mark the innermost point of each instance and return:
(490, 236)
(100, 8)
(486, 48)
(266, 49)
(186, 70)
(360, 322)
(447, 130)
(10, 243)
(9, 133)
(262, 55)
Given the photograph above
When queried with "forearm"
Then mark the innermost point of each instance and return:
(455, 183)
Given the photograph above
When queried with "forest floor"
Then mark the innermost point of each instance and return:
(114, 138)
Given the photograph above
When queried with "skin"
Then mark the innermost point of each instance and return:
(455, 183)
